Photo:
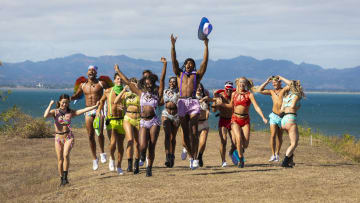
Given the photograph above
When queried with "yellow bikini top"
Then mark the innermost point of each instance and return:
(131, 99)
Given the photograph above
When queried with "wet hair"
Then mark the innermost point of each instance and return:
(153, 79)
(185, 62)
(296, 88)
(63, 96)
(249, 84)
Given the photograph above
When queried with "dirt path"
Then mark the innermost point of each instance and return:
(28, 173)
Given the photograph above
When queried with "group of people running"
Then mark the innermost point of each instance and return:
(130, 109)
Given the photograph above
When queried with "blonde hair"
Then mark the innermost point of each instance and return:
(249, 84)
(296, 88)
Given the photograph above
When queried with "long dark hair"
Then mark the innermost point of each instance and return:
(185, 62)
(63, 96)
(153, 79)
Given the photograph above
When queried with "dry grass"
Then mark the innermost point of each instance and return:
(28, 174)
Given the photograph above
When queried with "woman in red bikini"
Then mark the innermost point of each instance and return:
(240, 120)
(64, 138)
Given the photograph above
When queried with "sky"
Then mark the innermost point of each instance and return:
(322, 32)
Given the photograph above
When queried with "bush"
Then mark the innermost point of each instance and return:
(15, 123)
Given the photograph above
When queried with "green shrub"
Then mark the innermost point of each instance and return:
(15, 123)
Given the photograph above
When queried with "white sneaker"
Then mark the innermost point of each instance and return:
(120, 171)
(111, 165)
(191, 163)
(183, 154)
(272, 158)
(224, 164)
(103, 157)
(95, 164)
(277, 158)
(196, 163)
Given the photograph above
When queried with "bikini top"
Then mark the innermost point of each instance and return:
(62, 118)
(188, 74)
(243, 100)
(131, 99)
(171, 96)
(288, 100)
(148, 99)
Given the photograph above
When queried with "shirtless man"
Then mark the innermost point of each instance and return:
(114, 122)
(275, 120)
(224, 126)
(188, 106)
(93, 91)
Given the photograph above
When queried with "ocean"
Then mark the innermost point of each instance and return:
(328, 113)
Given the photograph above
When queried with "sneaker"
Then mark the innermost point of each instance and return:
(141, 163)
(191, 163)
(272, 158)
(120, 171)
(183, 154)
(103, 157)
(95, 164)
(224, 164)
(112, 165)
(195, 164)
(277, 158)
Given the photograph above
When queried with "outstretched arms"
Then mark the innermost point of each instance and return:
(162, 78)
(175, 63)
(77, 94)
(204, 63)
(132, 86)
(81, 111)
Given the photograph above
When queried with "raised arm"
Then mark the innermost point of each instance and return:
(175, 63)
(77, 94)
(262, 89)
(162, 77)
(81, 111)
(204, 63)
(257, 108)
(47, 112)
(132, 86)
(287, 82)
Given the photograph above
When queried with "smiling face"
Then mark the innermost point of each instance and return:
(276, 84)
(64, 104)
(172, 83)
(148, 85)
(117, 80)
(91, 73)
(241, 84)
(189, 66)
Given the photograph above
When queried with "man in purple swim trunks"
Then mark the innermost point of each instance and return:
(188, 106)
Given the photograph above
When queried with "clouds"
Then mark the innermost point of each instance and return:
(290, 30)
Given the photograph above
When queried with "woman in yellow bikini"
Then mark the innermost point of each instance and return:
(131, 124)
(64, 138)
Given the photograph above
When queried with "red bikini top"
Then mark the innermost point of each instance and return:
(242, 99)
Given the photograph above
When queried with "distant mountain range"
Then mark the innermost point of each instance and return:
(62, 72)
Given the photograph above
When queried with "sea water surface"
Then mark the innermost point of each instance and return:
(328, 113)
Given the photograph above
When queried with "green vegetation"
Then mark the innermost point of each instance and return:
(15, 123)
(346, 145)
(4, 95)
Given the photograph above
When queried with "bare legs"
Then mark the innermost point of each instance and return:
(91, 133)
(170, 129)
(148, 139)
(63, 157)
(275, 139)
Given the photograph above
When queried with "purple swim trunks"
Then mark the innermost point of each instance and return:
(149, 123)
(188, 106)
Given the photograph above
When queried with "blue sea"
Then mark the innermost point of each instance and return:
(328, 113)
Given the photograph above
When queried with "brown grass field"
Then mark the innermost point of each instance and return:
(28, 173)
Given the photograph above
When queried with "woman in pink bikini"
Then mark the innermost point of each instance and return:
(64, 138)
